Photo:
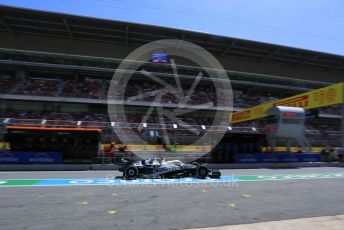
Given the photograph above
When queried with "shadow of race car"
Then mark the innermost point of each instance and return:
(157, 168)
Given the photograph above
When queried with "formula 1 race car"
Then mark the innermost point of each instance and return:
(157, 168)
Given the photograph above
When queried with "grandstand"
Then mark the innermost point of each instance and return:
(55, 71)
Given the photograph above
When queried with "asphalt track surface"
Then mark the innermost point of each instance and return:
(172, 206)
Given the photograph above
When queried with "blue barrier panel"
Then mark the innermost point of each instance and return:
(30, 157)
(277, 157)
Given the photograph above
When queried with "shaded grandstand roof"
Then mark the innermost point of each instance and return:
(26, 21)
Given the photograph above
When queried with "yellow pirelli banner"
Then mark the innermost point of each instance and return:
(191, 148)
(145, 148)
(330, 95)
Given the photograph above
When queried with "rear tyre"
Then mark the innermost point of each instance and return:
(201, 172)
(131, 172)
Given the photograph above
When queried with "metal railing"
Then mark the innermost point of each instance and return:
(182, 134)
(109, 64)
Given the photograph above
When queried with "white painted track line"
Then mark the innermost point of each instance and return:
(314, 223)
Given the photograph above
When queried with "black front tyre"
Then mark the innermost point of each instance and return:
(131, 172)
(202, 172)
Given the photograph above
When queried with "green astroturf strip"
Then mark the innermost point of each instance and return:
(291, 176)
(18, 182)
(104, 181)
